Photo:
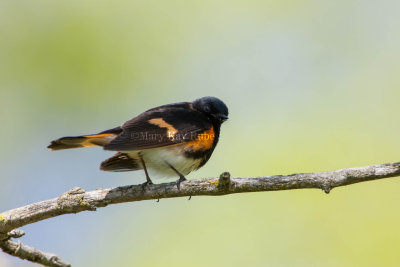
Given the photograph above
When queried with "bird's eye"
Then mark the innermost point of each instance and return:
(207, 109)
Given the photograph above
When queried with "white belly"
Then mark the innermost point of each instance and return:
(156, 161)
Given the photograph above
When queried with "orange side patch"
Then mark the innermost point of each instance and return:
(204, 141)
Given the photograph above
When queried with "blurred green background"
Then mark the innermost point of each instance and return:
(311, 86)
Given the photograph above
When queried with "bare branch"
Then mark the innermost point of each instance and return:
(32, 254)
(77, 200)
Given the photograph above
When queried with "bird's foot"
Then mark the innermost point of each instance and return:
(180, 180)
(145, 184)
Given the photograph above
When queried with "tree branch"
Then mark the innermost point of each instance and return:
(32, 254)
(77, 199)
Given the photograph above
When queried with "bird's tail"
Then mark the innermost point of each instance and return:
(99, 139)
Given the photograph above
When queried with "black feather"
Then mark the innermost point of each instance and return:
(120, 162)
(138, 133)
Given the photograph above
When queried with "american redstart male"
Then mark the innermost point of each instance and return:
(172, 139)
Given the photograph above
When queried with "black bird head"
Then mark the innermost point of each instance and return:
(212, 107)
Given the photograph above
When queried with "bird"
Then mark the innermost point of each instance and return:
(168, 140)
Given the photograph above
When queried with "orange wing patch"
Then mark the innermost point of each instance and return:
(171, 131)
(204, 141)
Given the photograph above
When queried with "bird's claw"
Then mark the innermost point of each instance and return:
(181, 179)
(145, 184)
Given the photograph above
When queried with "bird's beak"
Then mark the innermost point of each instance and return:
(222, 117)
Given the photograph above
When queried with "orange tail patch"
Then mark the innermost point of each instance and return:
(82, 141)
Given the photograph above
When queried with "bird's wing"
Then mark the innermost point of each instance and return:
(162, 126)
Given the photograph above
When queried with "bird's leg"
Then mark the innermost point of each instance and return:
(181, 176)
(148, 180)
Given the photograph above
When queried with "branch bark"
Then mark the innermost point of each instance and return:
(77, 199)
(32, 254)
